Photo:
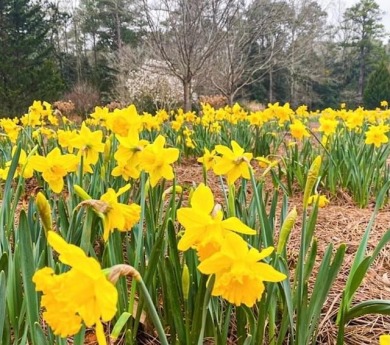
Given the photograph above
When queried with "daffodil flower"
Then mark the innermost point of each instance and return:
(377, 135)
(156, 160)
(234, 162)
(115, 215)
(239, 274)
(204, 224)
(54, 167)
(81, 295)
(89, 144)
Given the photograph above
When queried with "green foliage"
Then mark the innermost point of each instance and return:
(378, 87)
(28, 69)
(363, 22)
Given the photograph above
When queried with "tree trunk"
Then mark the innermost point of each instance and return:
(231, 99)
(362, 72)
(271, 86)
(187, 95)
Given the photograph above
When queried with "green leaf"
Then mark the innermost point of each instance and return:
(368, 307)
(360, 254)
(4, 263)
(325, 277)
(357, 278)
(172, 292)
(28, 270)
(121, 322)
(2, 302)
(310, 260)
(40, 335)
(248, 340)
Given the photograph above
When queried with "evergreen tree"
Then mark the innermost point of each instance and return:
(378, 87)
(28, 69)
(363, 21)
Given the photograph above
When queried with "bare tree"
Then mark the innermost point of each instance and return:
(248, 51)
(186, 33)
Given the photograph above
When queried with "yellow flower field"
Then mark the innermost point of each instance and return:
(108, 234)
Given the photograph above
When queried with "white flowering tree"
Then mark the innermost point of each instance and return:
(141, 79)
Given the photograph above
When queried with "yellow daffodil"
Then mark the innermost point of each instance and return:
(208, 159)
(66, 139)
(265, 163)
(384, 339)
(32, 119)
(89, 144)
(377, 135)
(100, 115)
(128, 156)
(322, 200)
(118, 216)
(11, 128)
(239, 276)
(256, 118)
(115, 215)
(24, 168)
(156, 160)
(215, 127)
(355, 119)
(327, 126)
(204, 225)
(233, 163)
(298, 130)
(54, 167)
(150, 122)
(302, 111)
(178, 122)
(123, 121)
(82, 294)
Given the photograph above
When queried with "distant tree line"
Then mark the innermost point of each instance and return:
(99, 51)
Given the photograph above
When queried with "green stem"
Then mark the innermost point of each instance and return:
(231, 206)
(153, 313)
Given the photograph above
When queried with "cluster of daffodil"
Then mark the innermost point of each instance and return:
(239, 274)
(115, 156)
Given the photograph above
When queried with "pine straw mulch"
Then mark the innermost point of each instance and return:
(339, 222)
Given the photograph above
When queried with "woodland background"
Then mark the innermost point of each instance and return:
(173, 53)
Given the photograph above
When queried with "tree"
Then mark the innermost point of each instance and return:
(378, 86)
(363, 22)
(105, 28)
(185, 34)
(246, 53)
(28, 68)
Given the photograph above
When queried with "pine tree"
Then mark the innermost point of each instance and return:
(28, 69)
(364, 22)
(378, 87)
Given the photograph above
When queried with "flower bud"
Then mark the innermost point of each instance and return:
(185, 282)
(286, 229)
(44, 211)
(311, 179)
(107, 150)
(81, 192)
(169, 190)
